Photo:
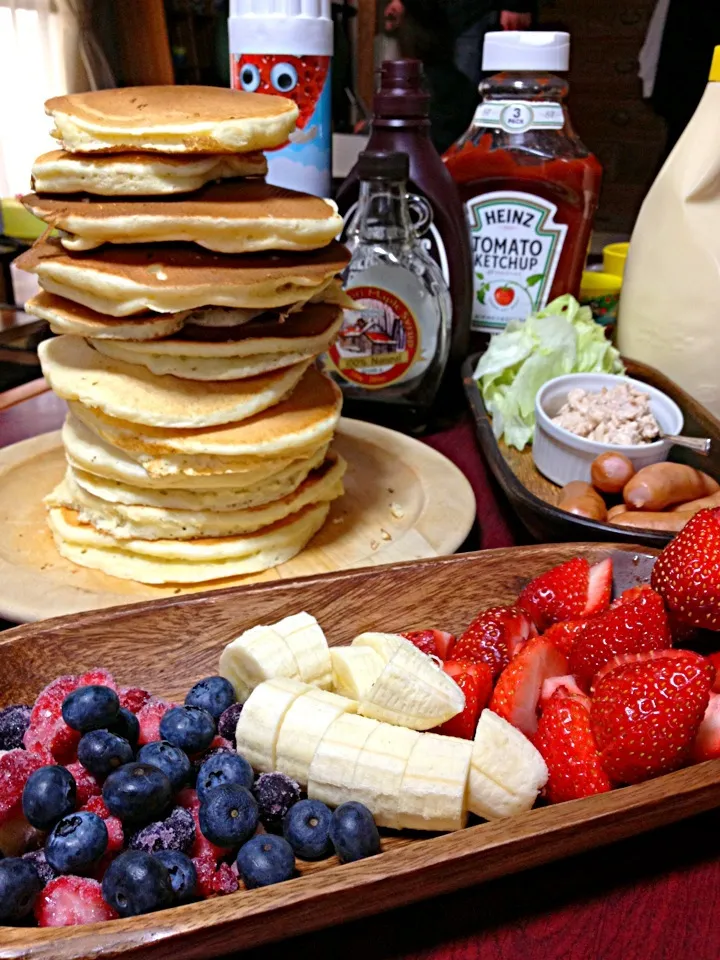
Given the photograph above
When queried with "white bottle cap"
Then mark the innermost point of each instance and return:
(526, 50)
(299, 27)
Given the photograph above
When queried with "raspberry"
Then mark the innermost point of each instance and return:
(212, 881)
(99, 676)
(116, 836)
(133, 698)
(87, 785)
(149, 717)
(68, 901)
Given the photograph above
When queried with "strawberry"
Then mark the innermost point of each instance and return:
(707, 741)
(567, 592)
(567, 685)
(298, 79)
(116, 835)
(202, 847)
(687, 572)
(517, 691)
(435, 643)
(714, 659)
(212, 880)
(133, 698)
(564, 634)
(68, 901)
(637, 624)
(564, 738)
(494, 637)
(646, 711)
(85, 783)
(15, 768)
(149, 717)
(47, 730)
(475, 681)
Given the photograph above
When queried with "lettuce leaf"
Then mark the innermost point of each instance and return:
(562, 338)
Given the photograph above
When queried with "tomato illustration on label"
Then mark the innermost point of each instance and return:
(298, 78)
(504, 296)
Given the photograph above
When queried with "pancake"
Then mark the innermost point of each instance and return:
(138, 174)
(235, 216)
(170, 119)
(124, 280)
(114, 475)
(199, 353)
(64, 316)
(185, 561)
(123, 522)
(293, 428)
(75, 371)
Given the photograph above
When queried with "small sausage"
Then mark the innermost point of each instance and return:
(616, 511)
(583, 500)
(611, 471)
(693, 506)
(649, 520)
(660, 485)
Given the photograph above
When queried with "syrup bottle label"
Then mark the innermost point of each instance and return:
(516, 246)
(378, 344)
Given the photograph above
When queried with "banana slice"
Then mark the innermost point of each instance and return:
(355, 670)
(262, 716)
(307, 642)
(303, 728)
(412, 691)
(384, 644)
(433, 792)
(379, 771)
(506, 771)
(332, 768)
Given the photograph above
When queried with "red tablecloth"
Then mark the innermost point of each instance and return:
(649, 898)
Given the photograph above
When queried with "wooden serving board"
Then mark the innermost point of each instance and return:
(168, 644)
(385, 470)
(535, 498)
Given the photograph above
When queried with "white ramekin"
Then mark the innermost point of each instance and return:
(563, 456)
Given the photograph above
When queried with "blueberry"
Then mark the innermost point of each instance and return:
(223, 767)
(275, 794)
(127, 726)
(227, 724)
(14, 721)
(214, 694)
(76, 843)
(101, 752)
(229, 816)
(90, 708)
(137, 883)
(306, 828)
(38, 859)
(19, 885)
(48, 795)
(353, 832)
(265, 859)
(137, 793)
(175, 832)
(173, 761)
(190, 728)
(183, 875)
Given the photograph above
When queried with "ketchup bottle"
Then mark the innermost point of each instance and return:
(401, 123)
(529, 185)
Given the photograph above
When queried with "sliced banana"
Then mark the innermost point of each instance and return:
(384, 644)
(355, 670)
(333, 767)
(379, 771)
(259, 724)
(303, 727)
(433, 792)
(307, 642)
(412, 691)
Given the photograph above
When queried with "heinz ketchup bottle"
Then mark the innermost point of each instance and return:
(529, 184)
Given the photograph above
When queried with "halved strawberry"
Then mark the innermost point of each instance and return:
(687, 572)
(47, 730)
(15, 768)
(637, 624)
(567, 592)
(517, 691)
(707, 741)
(494, 637)
(568, 687)
(436, 643)
(564, 738)
(68, 901)
(646, 712)
(563, 635)
(475, 681)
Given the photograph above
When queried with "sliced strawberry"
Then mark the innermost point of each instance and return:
(85, 783)
(149, 717)
(133, 698)
(563, 635)
(436, 643)
(646, 712)
(116, 835)
(494, 637)
(566, 685)
(212, 880)
(15, 768)
(707, 741)
(687, 572)
(517, 691)
(568, 592)
(564, 738)
(475, 681)
(69, 901)
(47, 730)
(638, 624)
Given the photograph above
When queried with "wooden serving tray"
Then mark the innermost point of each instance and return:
(535, 498)
(166, 645)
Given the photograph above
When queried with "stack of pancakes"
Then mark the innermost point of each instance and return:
(192, 300)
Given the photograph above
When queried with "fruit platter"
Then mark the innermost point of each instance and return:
(215, 772)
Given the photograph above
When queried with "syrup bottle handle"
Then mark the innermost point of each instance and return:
(420, 213)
